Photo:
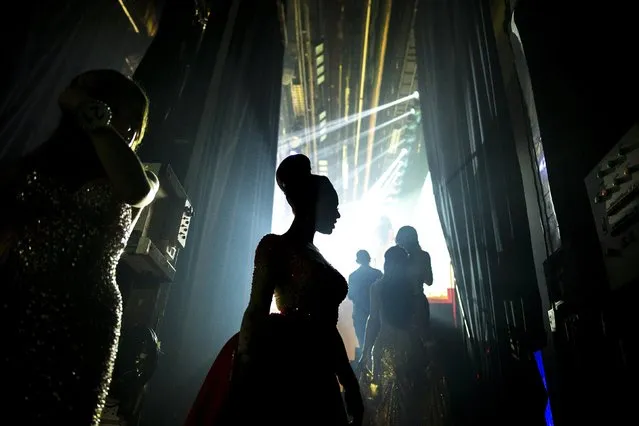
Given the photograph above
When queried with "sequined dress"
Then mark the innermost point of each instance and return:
(62, 308)
(405, 385)
(285, 364)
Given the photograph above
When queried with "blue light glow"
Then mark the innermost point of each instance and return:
(542, 373)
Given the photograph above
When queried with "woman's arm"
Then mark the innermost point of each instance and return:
(423, 267)
(343, 370)
(348, 379)
(428, 272)
(131, 182)
(374, 322)
(265, 275)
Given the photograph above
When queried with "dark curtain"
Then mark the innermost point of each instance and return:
(584, 78)
(230, 180)
(174, 43)
(45, 45)
(169, 65)
(479, 195)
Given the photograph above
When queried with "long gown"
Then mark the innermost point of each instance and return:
(290, 378)
(62, 308)
(405, 384)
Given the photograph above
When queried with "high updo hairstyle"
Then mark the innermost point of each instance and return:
(302, 188)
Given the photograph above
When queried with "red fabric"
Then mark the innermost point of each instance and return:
(211, 401)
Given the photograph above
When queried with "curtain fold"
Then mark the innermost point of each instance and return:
(585, 94)
(230, 179)
(476, 178)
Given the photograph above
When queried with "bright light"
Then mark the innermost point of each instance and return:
(416, 94)
(306, 136)
(129, 17)
(412, 111)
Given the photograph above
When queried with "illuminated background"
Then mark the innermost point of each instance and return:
(350, 103)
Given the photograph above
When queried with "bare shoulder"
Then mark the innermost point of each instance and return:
(268, 252)
(269, 243)
(270, 239)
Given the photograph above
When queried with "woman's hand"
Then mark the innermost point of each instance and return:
(352, 396)
(354, 404)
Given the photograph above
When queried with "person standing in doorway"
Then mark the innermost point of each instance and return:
(400, 372)
(420, 269)
(359, 285)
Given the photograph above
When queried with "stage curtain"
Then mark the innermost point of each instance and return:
(45, 45)
(230, 179)
(476, 178)
(165, 72)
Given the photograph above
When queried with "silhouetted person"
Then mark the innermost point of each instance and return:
(359, 289)
(288, 366)
(419, 267)
(66, 213)
(411, 387)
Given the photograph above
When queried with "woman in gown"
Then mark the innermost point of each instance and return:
(66, 214)
(287, 368)
(420, 269)
(404, 384)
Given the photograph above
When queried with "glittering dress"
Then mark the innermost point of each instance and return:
(404, 383)
(285, 364)
(62, 308)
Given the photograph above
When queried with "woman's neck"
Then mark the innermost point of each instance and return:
(302, 230)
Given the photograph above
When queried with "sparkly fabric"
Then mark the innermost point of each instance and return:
(303, 282)
(62, 307)
(293, 354)
(405, 386)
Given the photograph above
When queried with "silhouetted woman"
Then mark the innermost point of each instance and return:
(419, 266)
(408, 389)
(66, 214)
(289, 366)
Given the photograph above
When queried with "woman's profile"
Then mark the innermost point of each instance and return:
(66, 216)
(288, 367)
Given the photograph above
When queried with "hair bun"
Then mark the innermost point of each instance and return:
(293, 171)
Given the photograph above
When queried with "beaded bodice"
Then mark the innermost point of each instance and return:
(72, 233)
(303, 282)
(309, 284)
